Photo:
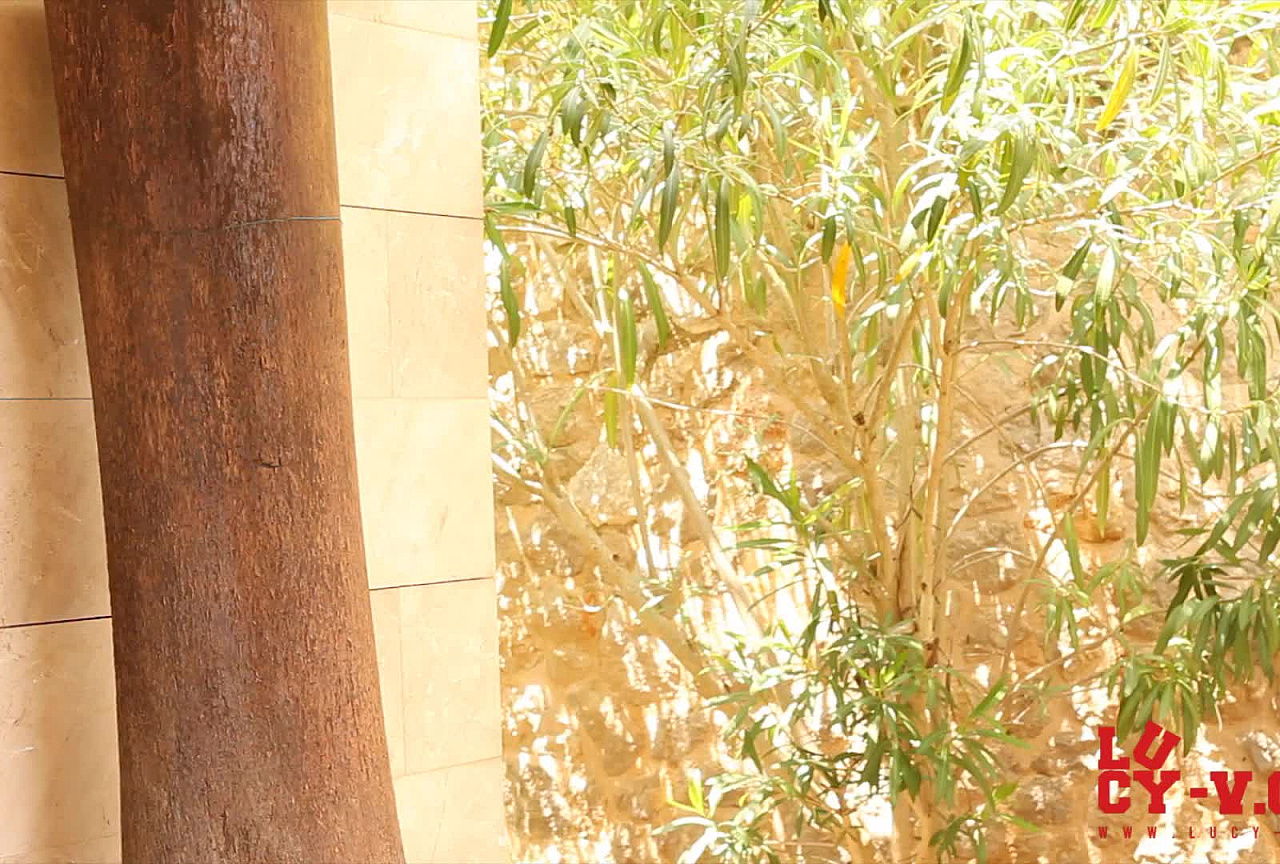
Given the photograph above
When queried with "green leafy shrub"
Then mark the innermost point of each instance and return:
(867, 201)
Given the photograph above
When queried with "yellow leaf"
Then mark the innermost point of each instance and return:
(909, 265)
(1120, 91)
(839, 272)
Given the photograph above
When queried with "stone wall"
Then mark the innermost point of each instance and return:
(408, 128)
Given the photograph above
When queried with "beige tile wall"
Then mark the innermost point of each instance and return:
(408, 129)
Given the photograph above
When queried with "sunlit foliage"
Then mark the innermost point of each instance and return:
(861, 197)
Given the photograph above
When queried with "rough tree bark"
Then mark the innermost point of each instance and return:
(199, 149)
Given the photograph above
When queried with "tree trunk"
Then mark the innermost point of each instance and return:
(199, 149)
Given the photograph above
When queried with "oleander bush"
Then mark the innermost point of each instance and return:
(831, 281)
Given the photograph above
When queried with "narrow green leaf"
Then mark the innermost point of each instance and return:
(667, 213)
(1019, 155)
(1269, 540)
(762, 479)
(1103, 500)
(529, 180)
(523, 31)
(1120, 91)
(695, 794)
(1239, 225)
(565, 413)
(723, 217)
(1254, 516)
(1162, 73)
(960, 62)
(779, 130)
(1106, 277)
(501, 18)
(494, 236)
(828, 238)
(1073, 548)
(654, 295)
(1072, 268)
(1019, 822)
(509, 302)
(1145, 467)
(872, 759)
(936, 210)
(1103, 14)
(975, 198)
(658, 21)
(988, 700)
(1124, 720)
(1074, 12)
(626, 323)
(611, 412)
(737, 67)
(755, 292)
(572, 110)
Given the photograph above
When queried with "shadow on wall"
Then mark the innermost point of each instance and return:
(600, 722)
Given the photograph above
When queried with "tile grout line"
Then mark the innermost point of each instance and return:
(29, 624)
(40, 176)
(355, 397)
(474, 38)
(358, 398)
(412, 212)
(54, 621)
(35, 174)
(440, 768)
(46, 398)
(431, 584)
